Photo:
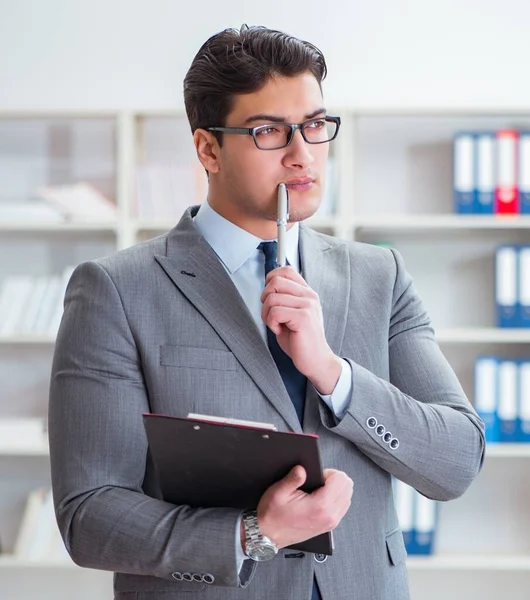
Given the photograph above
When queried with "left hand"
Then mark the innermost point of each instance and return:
(292, 311)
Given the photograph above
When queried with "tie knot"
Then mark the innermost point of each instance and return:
(270, 250)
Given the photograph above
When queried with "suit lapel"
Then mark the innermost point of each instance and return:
(195, 269)
(326, 269)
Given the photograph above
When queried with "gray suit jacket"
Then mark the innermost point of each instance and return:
(160, 327)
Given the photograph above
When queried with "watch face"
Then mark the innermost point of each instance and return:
(262, 552)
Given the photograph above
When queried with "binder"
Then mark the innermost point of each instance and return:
(523, 287)
(424, 524)
(404, 501)
(506, 292)
(215, 464)
(486, 395)
(524, 401)
(506, 190)
(524, 171)
(484, 200)
(464, 172)
(508, 401)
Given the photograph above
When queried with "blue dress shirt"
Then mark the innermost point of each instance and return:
(238, 252)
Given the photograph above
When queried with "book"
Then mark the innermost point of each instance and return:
(206, 463)
(78, 202)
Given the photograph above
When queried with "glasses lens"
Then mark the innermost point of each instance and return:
(318, 131)
(271, 137)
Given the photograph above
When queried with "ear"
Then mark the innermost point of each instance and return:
(208, 150)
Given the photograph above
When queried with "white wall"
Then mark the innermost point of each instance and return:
(135, 53)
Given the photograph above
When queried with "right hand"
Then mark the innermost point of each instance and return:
(288, 516)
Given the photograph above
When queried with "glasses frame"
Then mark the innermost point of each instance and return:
(294, 126)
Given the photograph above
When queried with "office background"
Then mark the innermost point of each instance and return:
(93, 91)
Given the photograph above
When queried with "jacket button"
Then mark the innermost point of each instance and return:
(187, 577)
(207, 578)
(176, 575)
(394, 443)
(321, 558)
(380, 430)
(371, 422)
(387, 437)
(197, 577)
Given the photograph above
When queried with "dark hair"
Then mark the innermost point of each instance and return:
(241, 62)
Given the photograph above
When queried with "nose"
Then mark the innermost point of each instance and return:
(298, 153)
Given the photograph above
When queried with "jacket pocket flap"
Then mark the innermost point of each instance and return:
(197, 358)
(396, 548)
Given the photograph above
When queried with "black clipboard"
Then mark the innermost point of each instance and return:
(207, 464)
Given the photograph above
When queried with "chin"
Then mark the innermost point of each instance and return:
(303, 210)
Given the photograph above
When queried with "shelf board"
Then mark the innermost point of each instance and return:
(415, 563)
(40, 450)
(483, 335)
(8, 561)
(470, 562)
(501, 450)
(31, 339)
(432, 223)
(27, 226)
(158, 225)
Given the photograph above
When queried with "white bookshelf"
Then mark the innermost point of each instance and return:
(483, 335)
(500, 450)
(473, 562)
(38, 340)
(394, 186)
(438, 223)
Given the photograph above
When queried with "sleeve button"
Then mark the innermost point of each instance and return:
(371, 422)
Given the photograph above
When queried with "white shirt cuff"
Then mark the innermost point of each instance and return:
(339, 399)
(241, 557)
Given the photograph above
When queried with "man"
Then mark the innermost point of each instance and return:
(199, 320)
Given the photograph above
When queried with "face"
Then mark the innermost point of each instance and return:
(243, 182)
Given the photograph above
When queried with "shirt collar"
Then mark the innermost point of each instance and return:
(233, 245)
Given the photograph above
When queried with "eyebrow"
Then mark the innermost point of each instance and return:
(277, 119)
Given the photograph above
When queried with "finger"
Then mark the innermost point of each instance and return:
(294, 479)
(281, 315)
(283, 285)
(288, 273)
(283, 300)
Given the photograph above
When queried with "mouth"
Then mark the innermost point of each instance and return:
(300, 184)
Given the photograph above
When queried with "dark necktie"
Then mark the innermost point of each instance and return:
(294, 381)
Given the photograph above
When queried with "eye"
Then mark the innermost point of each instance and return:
(316, 124)
(268, 130)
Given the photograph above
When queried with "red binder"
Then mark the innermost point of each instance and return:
(209, 464)
(506, 187)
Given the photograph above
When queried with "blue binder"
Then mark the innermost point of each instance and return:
(524, 401)
(506, 286)
(425, 517)
(508, 394)
(486, 395)
(464, 172)
(523, 286)
(484, 198)
(524, 172)
(404, 501)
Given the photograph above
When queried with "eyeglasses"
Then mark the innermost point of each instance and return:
(274, 136)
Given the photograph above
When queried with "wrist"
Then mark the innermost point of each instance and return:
(257, 546)
(243, 537)
(328, 376)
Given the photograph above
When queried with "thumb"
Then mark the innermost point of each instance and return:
(295, 478)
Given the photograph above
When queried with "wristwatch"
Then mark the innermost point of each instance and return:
(258, 546)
